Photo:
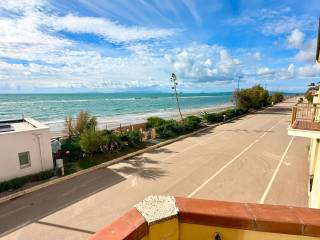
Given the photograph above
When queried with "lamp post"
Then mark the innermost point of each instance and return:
(173, 79)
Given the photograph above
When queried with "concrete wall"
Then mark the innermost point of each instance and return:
(36, 141)
(314, 165)
(195, 231)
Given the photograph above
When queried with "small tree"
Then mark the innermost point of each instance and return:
(277, 97)
(251, 98)
(69, 126)
(308, 96)
(91, 142)
(84, 122)
(92, 124)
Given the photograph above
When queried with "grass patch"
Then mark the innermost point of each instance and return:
(21, 181)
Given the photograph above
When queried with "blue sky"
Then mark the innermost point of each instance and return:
(134, 45)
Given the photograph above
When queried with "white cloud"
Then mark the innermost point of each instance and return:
(48, 60)
(107, 29)
(296, 38)
(203, 63)
(257, 55)
(285, 24)
(307, 51)
(309, 70)
(265, 71)
(295, 72)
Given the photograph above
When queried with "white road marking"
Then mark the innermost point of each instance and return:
(232, 160)
(265, 194)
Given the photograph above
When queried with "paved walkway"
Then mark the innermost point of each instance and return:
(249, 160)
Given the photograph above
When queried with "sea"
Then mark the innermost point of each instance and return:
(111, 109)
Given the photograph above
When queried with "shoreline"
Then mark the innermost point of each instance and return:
(57, 127)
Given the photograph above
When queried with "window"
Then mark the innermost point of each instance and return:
(24, 159)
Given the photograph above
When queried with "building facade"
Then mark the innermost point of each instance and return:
(25, 148)
(306, 123)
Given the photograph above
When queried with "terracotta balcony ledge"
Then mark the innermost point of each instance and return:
(249, 217)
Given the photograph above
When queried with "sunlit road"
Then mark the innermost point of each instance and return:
(249, 160)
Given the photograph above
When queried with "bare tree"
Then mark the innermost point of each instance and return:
(175, 93)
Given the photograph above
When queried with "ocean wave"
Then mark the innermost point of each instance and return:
(49, 101)
(152, 97)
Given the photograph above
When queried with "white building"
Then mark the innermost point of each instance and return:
(25, 148)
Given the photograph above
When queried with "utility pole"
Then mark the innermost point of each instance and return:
(173, 79)
(239, 77)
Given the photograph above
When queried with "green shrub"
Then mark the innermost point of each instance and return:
(308, 96)
(169, 129)
(231, 113)
(91, 142)
(112, 142)
(21, 181)
(192, 123)
(72, 146)
(213, 117)
(85, 163)
(153, 122)
(219, 117)
(276, 97)
(46, 175)
(251, 98)
(69, 168)
(133, 138)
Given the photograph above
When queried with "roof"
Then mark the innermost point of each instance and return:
(19, 125)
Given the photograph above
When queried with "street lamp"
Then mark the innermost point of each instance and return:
(239, 77)
(173, 79)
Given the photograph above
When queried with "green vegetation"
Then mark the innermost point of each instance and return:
(221, 116)
(83, 122)
(276, 98)
(311, 88)
(153, 122)
(132, 138)
(308, 96)
(71, 149)
(86, 146)
(21, 181)
(91, 141)
(173, 128)
(251, 98)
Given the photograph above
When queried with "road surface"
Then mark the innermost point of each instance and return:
(251, 159)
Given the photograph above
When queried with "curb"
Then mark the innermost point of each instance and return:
(112, 162)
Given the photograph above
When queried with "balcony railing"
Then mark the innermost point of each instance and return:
(306, 112)
(306, 116)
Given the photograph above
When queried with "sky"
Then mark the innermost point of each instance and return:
(135, 45)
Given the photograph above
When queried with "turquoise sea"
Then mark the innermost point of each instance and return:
(52, 108)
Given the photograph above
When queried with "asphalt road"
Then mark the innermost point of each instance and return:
(249, 160)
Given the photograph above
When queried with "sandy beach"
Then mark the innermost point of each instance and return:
(57, 127)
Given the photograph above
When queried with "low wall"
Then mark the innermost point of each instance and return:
(160, 217)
